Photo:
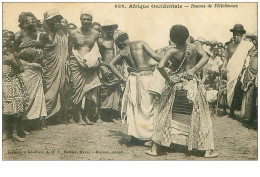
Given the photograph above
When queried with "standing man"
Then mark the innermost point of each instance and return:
(31, 54)
(137, 103)
(84, 55)
(110, 89)
(55, 53)
(236, 54)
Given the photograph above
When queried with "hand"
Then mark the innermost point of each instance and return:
(191, 72)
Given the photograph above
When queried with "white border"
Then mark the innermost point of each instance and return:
(128, 168)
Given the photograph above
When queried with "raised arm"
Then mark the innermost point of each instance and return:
(151, 53)
(163, 63)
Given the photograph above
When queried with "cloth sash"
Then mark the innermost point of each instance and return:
(55, 56)
(198, 134)
(234, 68)
(83, 73)
(32, 75)
(137, 103)
(89, 59)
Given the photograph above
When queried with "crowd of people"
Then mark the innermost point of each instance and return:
(55, 72)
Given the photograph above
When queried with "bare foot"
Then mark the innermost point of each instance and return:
(17, 138)
(26, 133)
(151, 153)
(99, 121)
(81, 122)
(114, 120)
(148, 144)
(88, 122)
(71, 121)
(210, 154)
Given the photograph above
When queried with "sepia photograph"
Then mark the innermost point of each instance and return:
(129, 81)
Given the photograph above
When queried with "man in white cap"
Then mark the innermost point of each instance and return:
(84, 55)
(55, 51)
(137, 102)
(110, 89)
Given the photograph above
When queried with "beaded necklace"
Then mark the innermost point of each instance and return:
(184, 58)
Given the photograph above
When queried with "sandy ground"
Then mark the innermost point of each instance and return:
(109, 141)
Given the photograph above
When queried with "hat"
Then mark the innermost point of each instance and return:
(118, 33)
(51, 13)
(108, 23)
(86, 12)
(239, 28)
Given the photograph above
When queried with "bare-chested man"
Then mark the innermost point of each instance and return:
(137, 102)
(84, 55)
(110, 90)
(183, 117)
(236, 54)
(31, 55)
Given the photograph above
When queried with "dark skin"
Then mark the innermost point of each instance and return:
(106, 48)
(231, 47)
(106, 45)
(28, 33)
(230, 50)
(12, 122)
(11, 59)
(135, 54)
(47, 37)
(175, 56)
(83, 40)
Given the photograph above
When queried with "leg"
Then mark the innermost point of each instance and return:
(98, 105)
(15, 126)
(8, 126)
(77, 114)
(43, 123)
(86, 119)
(153, 151)
(19, 126)
(210, 153)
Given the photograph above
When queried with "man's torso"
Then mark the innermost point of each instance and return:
(135, 56)
(106, 48)
(83, 43)
(190, 61)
